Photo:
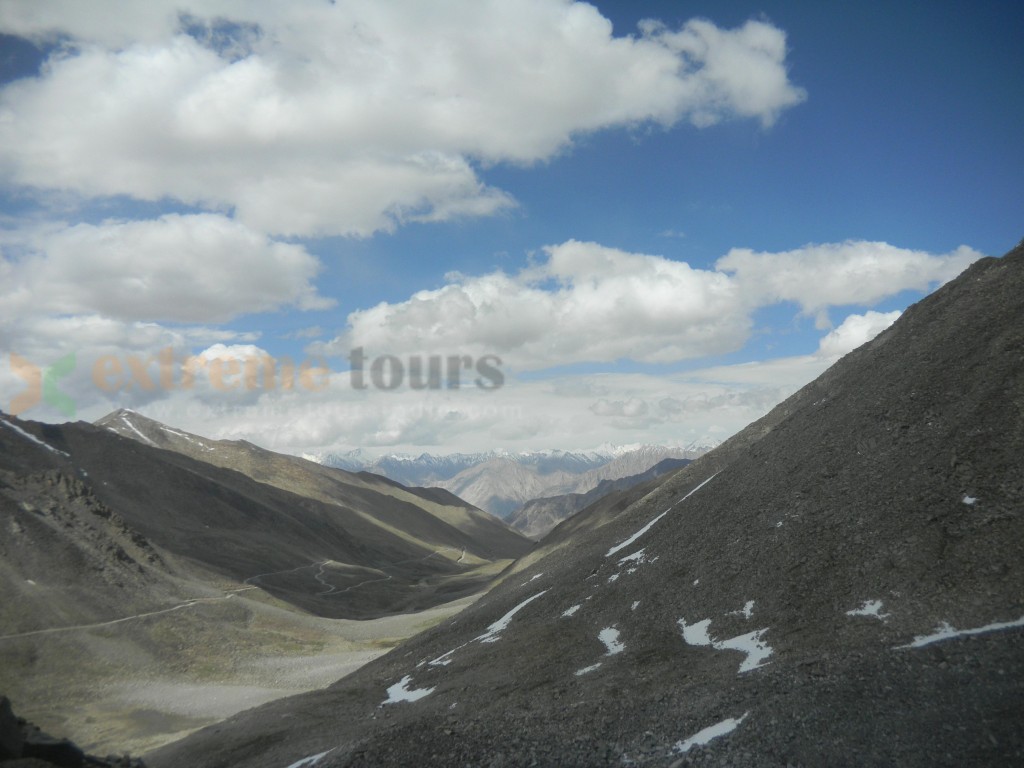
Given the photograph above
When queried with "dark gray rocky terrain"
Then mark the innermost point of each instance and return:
(842, 584)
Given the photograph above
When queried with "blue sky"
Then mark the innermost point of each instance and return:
(660, 230)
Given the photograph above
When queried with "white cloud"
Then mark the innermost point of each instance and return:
(633, 414)
(523, 415)
(584, 303)
(588, 303)
(631, 408)
(741, 69)
(239, 352)
(314, 118)
(107, 21)
(836, 274)
(605, 408)
(580, 302)
(43, 337)
(200, 268)
(134, 349)
(854, 331)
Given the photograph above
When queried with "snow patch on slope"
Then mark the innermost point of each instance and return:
(746, 611)
(610, 637)
(492, 635)
(494, 631)
(705, 735)
(637, 535)
(751, 643)
(187, 437)
(637, 557)
(696, 634)
(135, 429)
(308, 762)
(33, 438)
(870, 608)
(946, 631)
(651, 524)
(400, 691)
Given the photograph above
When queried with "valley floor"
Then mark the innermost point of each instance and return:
(136, 684)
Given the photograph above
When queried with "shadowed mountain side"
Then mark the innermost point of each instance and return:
(366, 554)
(386, 501)
(839, 584)
(130, 571)
(536, 518)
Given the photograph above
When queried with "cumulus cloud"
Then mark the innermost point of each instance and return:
(836, 274)
(190, 269)
(239, 352)
(43, 338)
(741, 70)
(84, 342)
(588, 303)
(87, 293)
(313, 118)
(854, 331)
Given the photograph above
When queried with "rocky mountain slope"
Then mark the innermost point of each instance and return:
(333, 543)
(374, 499)
(147, 593)
(839, 584)
(535, 518)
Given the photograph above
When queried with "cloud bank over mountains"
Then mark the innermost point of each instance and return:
(583, 303)
(588, 303)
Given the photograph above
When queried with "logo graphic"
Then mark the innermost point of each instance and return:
(168, 371)
(42, 385)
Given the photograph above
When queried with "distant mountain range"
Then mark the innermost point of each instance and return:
(839, 584)
(501, 483)
(428, 469)
(537, 517)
